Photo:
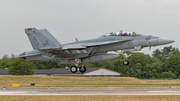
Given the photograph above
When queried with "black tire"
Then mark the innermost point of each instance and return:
(126, 62)
(82, 71)
(73, 69)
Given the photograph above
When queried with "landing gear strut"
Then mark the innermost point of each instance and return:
(82, 69)
(74, 69)
(126, 56)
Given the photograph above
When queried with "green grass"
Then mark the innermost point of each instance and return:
(83, 82)
(92, 98)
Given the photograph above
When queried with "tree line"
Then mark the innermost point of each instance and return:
(163, 63)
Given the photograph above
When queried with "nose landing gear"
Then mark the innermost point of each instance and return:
(126, 62)
(126, 56)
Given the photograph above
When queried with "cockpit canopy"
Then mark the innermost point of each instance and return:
(123, 33)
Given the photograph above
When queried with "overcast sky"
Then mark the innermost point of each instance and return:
(86, 19)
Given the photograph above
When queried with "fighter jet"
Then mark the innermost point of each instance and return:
(47, 48)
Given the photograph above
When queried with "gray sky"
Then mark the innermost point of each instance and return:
(86, 19)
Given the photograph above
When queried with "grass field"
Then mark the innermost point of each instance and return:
(93, 98)
(84, 82)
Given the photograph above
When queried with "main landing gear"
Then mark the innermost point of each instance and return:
(74, 69)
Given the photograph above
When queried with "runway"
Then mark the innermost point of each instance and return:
(22, 91)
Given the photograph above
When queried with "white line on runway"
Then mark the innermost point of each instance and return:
(90, 92)
(162, 91)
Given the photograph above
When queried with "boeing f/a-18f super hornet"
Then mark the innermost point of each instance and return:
(46, 47)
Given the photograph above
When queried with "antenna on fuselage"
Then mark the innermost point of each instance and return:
(76, 39)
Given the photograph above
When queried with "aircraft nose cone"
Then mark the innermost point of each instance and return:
(163, 41)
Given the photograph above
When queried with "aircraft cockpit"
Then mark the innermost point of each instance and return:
(123, 33)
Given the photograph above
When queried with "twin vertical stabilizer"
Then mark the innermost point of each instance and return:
(41, 38)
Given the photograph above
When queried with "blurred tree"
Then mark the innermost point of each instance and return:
(5, 62)
(173, 63)
(165, 75)
(21, 67)
(166, 51)
(157, 53)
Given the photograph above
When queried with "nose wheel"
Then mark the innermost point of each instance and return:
(126, 62)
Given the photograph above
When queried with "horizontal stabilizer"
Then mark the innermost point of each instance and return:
(29, 55)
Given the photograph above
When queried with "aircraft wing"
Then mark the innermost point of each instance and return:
(78, 47)
(83, 45)
(105, 43)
